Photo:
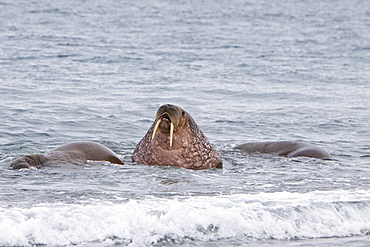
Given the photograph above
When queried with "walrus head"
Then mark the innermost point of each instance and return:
(28, 161)
(174, 139)
(169, 118)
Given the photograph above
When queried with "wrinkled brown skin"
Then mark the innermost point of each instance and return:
(74, 152)
(285, 148)
(190, 149)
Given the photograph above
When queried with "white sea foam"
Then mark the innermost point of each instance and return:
(280, 215)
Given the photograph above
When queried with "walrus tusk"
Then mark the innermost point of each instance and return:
(155, 131)
(171, 134)
(156, 127)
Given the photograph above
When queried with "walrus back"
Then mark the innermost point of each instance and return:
(90, 151)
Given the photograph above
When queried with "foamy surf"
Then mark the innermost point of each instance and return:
(262, 216)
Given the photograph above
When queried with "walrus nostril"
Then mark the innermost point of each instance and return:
(165, 116)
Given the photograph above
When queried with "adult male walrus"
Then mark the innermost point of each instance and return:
(174, 139)
(74, 152)
(285, 148)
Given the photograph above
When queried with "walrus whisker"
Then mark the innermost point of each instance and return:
(171, 134)
(155, 131)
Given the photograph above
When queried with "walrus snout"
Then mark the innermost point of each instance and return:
(168, 108)
(19, 164)
(168, 119)
(165, 124)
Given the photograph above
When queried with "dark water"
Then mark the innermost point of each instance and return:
(245, 70)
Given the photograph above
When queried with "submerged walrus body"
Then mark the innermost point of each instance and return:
(285, 148)
(174, 139)
(75, 152)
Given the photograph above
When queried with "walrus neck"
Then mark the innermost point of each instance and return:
(190, 149)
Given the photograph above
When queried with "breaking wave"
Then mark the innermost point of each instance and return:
(157, 221)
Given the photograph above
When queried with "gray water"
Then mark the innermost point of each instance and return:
(245, 70)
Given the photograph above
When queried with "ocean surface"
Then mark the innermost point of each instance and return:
(256, 70)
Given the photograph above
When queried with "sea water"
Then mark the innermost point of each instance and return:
(245, 70)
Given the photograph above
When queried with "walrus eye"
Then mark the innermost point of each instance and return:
(183, 113)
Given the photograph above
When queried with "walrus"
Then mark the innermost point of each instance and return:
(74, 152)
(174, 139)
(285, 148)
